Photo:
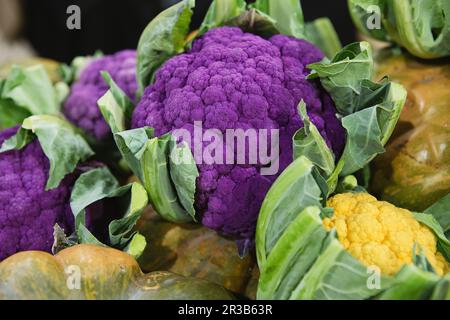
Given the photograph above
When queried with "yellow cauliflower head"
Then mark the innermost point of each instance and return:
(379, 234)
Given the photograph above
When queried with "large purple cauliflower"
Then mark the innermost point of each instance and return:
(81, 105)
(231, 79)
(28, 213)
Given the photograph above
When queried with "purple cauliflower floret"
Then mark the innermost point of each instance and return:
(81, 106)
(28, 212)
(229, 80)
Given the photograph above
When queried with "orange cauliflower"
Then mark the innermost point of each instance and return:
(379, 234)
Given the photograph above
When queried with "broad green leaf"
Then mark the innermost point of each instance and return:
(433, 224)
(294, 190)
(99, 184)
(321, 32)
(411, 283)
(363, 140)
(157, 180)
(336, 275)
(115, 106)
(136, 246)
(122, 100)
(309, 142)
(184, 174)
(62, 144)
(287, 14)
(132, 145)
(441, 212)
(222, 12)
(163, 38)
(369, 111)
(25, 92)
(342, 76)
(391, 110)
(121, 230)
(89, 188)
(116, 109)
(292, 255)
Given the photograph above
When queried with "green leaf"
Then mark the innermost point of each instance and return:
(369, 110)
(163, 38)
(89, 188)
(157, 180)
(440, 211)
(63, 146)
(336, 275)
(222, 12)
(136, 246)
(294, 190)
(121, 99)
(25, 92)
(429, 221)
(115, 106)
(292, 256)
(99, 184)
(184, 174)
(342, 76)
(121, 230)
(287, 14)
(363, 140)
(411, 283)
(309, 142)
(132, 145)
(321, 32)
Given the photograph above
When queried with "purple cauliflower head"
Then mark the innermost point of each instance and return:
(81, 106)
(28, 213)
(229, 80)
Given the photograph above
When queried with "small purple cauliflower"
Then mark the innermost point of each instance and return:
(81, 106)
(28, 213)
(229, 80)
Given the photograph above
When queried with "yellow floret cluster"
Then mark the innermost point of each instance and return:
(379, 234)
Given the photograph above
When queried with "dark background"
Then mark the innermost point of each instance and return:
(111, 25)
